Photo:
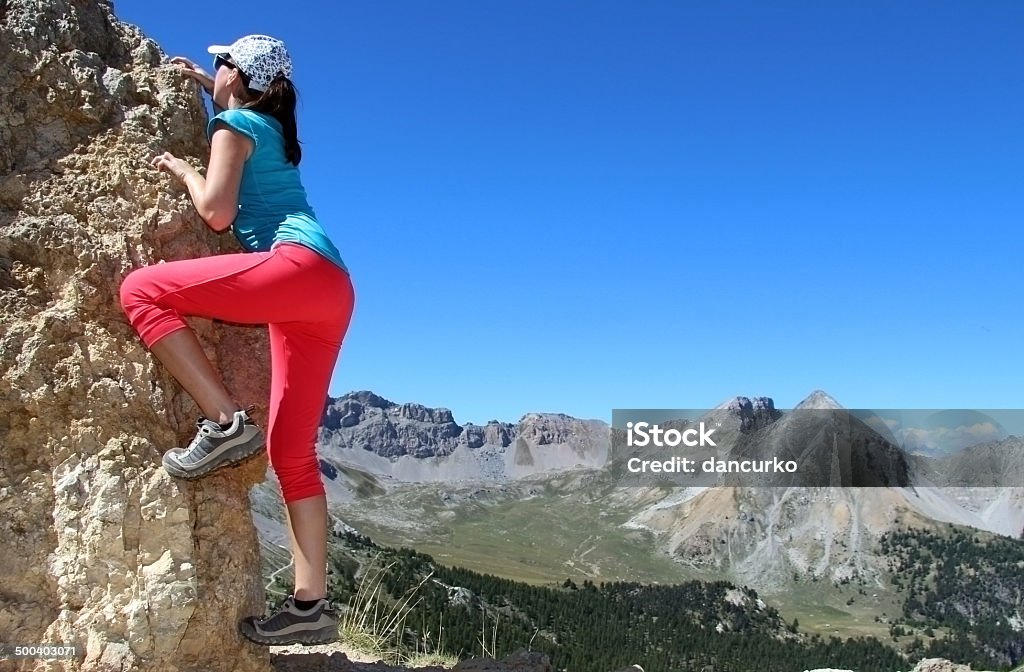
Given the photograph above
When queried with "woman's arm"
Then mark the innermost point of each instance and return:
(195, 72)
(216, 196)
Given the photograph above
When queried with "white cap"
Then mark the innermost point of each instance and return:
(260, 57)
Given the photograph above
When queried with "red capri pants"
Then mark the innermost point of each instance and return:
(306, 300)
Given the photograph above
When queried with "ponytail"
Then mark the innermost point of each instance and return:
(279, 102)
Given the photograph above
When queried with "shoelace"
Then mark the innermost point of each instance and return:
(204, 430)
(205, 427)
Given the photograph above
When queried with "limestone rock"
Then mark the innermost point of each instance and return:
(103, 549)
(925, 665)
(940, 665)
(753, 413)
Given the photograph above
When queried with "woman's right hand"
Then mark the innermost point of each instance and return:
(192, 70)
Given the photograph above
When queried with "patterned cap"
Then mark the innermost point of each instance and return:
(260, 57)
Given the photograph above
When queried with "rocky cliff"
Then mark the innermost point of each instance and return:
(412, 442)
(102, 548)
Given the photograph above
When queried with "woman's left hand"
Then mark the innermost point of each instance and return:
(169, 163)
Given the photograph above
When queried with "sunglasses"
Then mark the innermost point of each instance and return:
(221, 60)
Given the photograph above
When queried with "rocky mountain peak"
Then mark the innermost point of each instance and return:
(546, 428)
(819, 400)
(367, 398)
(362, 422)
(752, 414)
(390, 429)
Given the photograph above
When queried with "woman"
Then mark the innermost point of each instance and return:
(291, 278)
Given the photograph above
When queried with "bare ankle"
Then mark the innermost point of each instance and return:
(227, 418)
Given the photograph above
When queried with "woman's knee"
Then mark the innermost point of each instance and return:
(135, 291)
(299, 477)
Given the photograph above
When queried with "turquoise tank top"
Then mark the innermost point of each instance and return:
(272, 203)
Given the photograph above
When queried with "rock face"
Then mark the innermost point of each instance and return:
(411, 442)
(940, 665)
(753, 414)
(102, 548)
(391, 429)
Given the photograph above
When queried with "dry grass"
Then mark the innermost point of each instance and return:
(374, 623)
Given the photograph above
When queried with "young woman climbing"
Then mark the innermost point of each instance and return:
(291, 278)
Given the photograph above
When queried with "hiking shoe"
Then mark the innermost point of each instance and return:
(290, 625)
(215, 447)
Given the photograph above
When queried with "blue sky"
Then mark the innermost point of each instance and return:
(579, 206)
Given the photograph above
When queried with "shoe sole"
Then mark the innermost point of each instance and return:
(228, 458)
(327, 635)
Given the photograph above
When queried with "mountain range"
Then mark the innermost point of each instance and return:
(369, 444)
(538, 501)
